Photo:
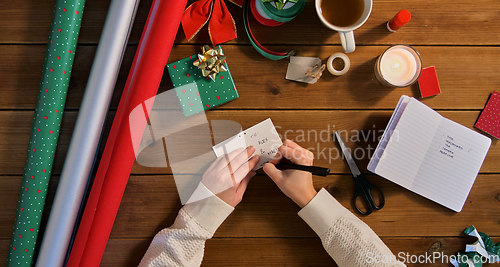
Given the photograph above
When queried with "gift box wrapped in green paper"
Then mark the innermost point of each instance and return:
(209, 71)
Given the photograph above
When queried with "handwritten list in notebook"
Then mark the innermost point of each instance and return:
(429, 154)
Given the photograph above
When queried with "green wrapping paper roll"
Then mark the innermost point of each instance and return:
(56, 75)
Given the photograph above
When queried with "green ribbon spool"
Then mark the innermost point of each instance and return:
(283, 15)
(261, 49)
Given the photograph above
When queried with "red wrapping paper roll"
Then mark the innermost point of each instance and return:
(118, 158)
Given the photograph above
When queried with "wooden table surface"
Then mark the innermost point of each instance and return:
(461, 38)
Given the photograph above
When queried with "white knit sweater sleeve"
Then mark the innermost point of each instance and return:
(348, 240)
(183, 243)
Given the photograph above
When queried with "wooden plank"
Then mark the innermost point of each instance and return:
(277, 251)
(151, 203)
(359, 89)
(233, 252)
(22, 67)
(463, 23)
(9, 193)
(29, 22)
(280, 252)
(15, 129)
(262, 79)
(310, 252)
(311, 129)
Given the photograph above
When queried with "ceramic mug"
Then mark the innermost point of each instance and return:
(346, 33)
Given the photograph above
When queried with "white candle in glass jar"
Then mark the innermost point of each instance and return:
(398, 66)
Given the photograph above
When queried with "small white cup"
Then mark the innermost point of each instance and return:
(346, 33)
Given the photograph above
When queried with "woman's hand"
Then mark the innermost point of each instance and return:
(297, 185)
(229, 174)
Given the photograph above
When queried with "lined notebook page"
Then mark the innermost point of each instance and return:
(452, 164)
(408, 144)
(389, 130)
(433, 156)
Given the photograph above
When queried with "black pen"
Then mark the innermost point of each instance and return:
(312, 169)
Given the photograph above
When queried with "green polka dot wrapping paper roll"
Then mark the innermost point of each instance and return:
(61, 48)
(208, 94)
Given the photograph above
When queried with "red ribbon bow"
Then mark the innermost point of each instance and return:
(221, 24)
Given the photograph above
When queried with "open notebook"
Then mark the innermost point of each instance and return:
(429, 154)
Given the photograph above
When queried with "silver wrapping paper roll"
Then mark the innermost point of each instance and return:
(87, 131)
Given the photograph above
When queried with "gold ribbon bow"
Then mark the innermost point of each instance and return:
(210, 61)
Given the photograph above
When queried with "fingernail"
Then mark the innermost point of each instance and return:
(251, 148)
(257, 157)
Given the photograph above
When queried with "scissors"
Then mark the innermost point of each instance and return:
(362, 187)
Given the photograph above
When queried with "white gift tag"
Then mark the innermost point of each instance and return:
(262, 136)
(298, 67)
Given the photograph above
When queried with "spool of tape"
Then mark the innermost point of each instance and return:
(261, 16)
(289, 11)
(332, 70)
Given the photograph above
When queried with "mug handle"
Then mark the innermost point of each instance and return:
(347, 40)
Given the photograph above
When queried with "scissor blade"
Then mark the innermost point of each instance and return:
(350, 161)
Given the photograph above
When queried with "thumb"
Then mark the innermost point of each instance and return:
(271, 170)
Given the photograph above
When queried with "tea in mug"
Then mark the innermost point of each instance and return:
(342, 13)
